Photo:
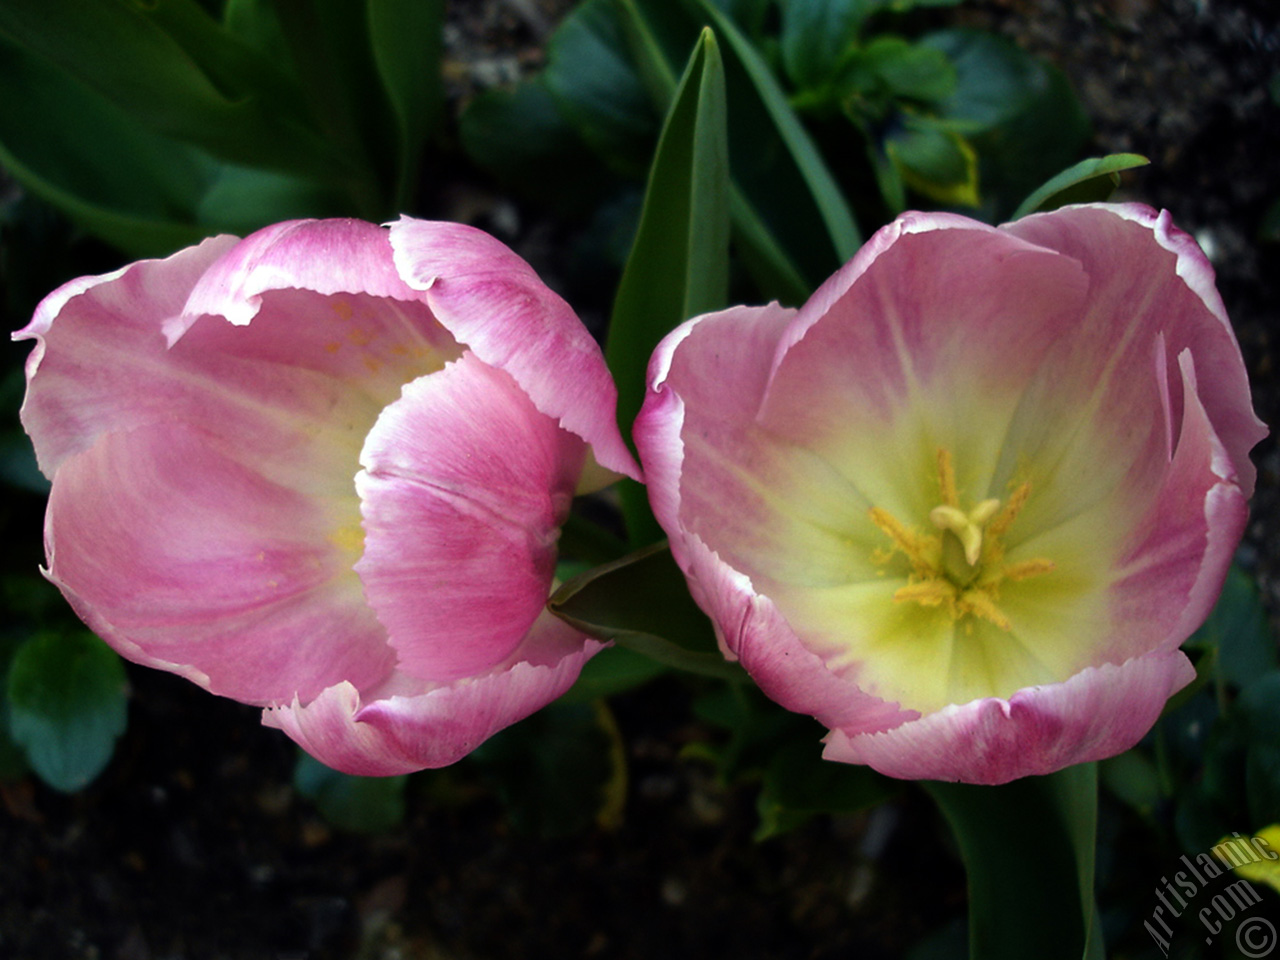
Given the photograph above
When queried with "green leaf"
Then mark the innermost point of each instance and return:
(1019, 113)
(597, 89)
(358, 804)
(1259, 707)
(798, 785)
(823, 191)
(894, 67)
(1028, 850)
(642, 602)
(1085, 182)
(816, 36)
(521, 137)
(406, 37)
(934, 162)
(782, 195)
(1238, 630)
(560, 770)
(612, 671)
(679, 263)
(67, 697)
(171, 66)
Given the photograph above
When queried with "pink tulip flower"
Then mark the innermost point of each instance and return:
(964, 505)
(323, 470)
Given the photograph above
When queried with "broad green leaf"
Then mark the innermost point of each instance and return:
(798, 784)
(641, 602)
(13, 762)
(358, 804)
(169, 65)
(597, 89)
(94, 161)
(894, 67)
(406, 37)
(67, 696)
(1238, 630)
(679, 263)
(521, 137)
(935, 163)
(1028, 851)
(1259, 707)
(1019, 113)
(1084, 182)
(816, 36)
(560, 770)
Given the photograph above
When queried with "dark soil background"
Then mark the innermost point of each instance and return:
(194, 844)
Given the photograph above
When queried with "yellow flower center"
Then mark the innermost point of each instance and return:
(960, 566)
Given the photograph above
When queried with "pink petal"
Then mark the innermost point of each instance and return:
(1181, 546)
(492, 301)
(411, 724)
(324, 256)
(1098, 713)
(84, 370)
(186, 560)
(464, 489)
(1132, 255)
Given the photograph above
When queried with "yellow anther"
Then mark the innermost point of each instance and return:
(947, 479)
(927, 593)
(980, 604)
(916, 548)
(961, 567)
(1027, 569)
(1012, 507)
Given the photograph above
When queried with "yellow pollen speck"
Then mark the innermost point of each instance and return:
(961, 566)
(333, 346)
(343, 309)
(349, 538)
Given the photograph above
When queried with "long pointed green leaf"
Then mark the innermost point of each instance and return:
(1028, 850)
(842, 229)
(1088, 180)
(679, 262)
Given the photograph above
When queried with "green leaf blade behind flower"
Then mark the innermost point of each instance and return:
(642, 603)
(679, 262)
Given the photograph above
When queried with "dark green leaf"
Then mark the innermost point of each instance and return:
(1017, 112)
(816, 36)
(935, 162)
(893, 67)
(171, 66)
(798, 784)
(358, 804)
(612, 671)
(1133, 777)
(407, 43)
(679, 263)
(1237, 629)
(597, 89)
(560, 770)
(800, 150)
(67, 698)
(642, 602)
(1259, 706)
(521, 138)
(1028, 850)
(1085, 182)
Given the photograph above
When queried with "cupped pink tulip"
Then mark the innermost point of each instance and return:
(323, 470)
(965, 504)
